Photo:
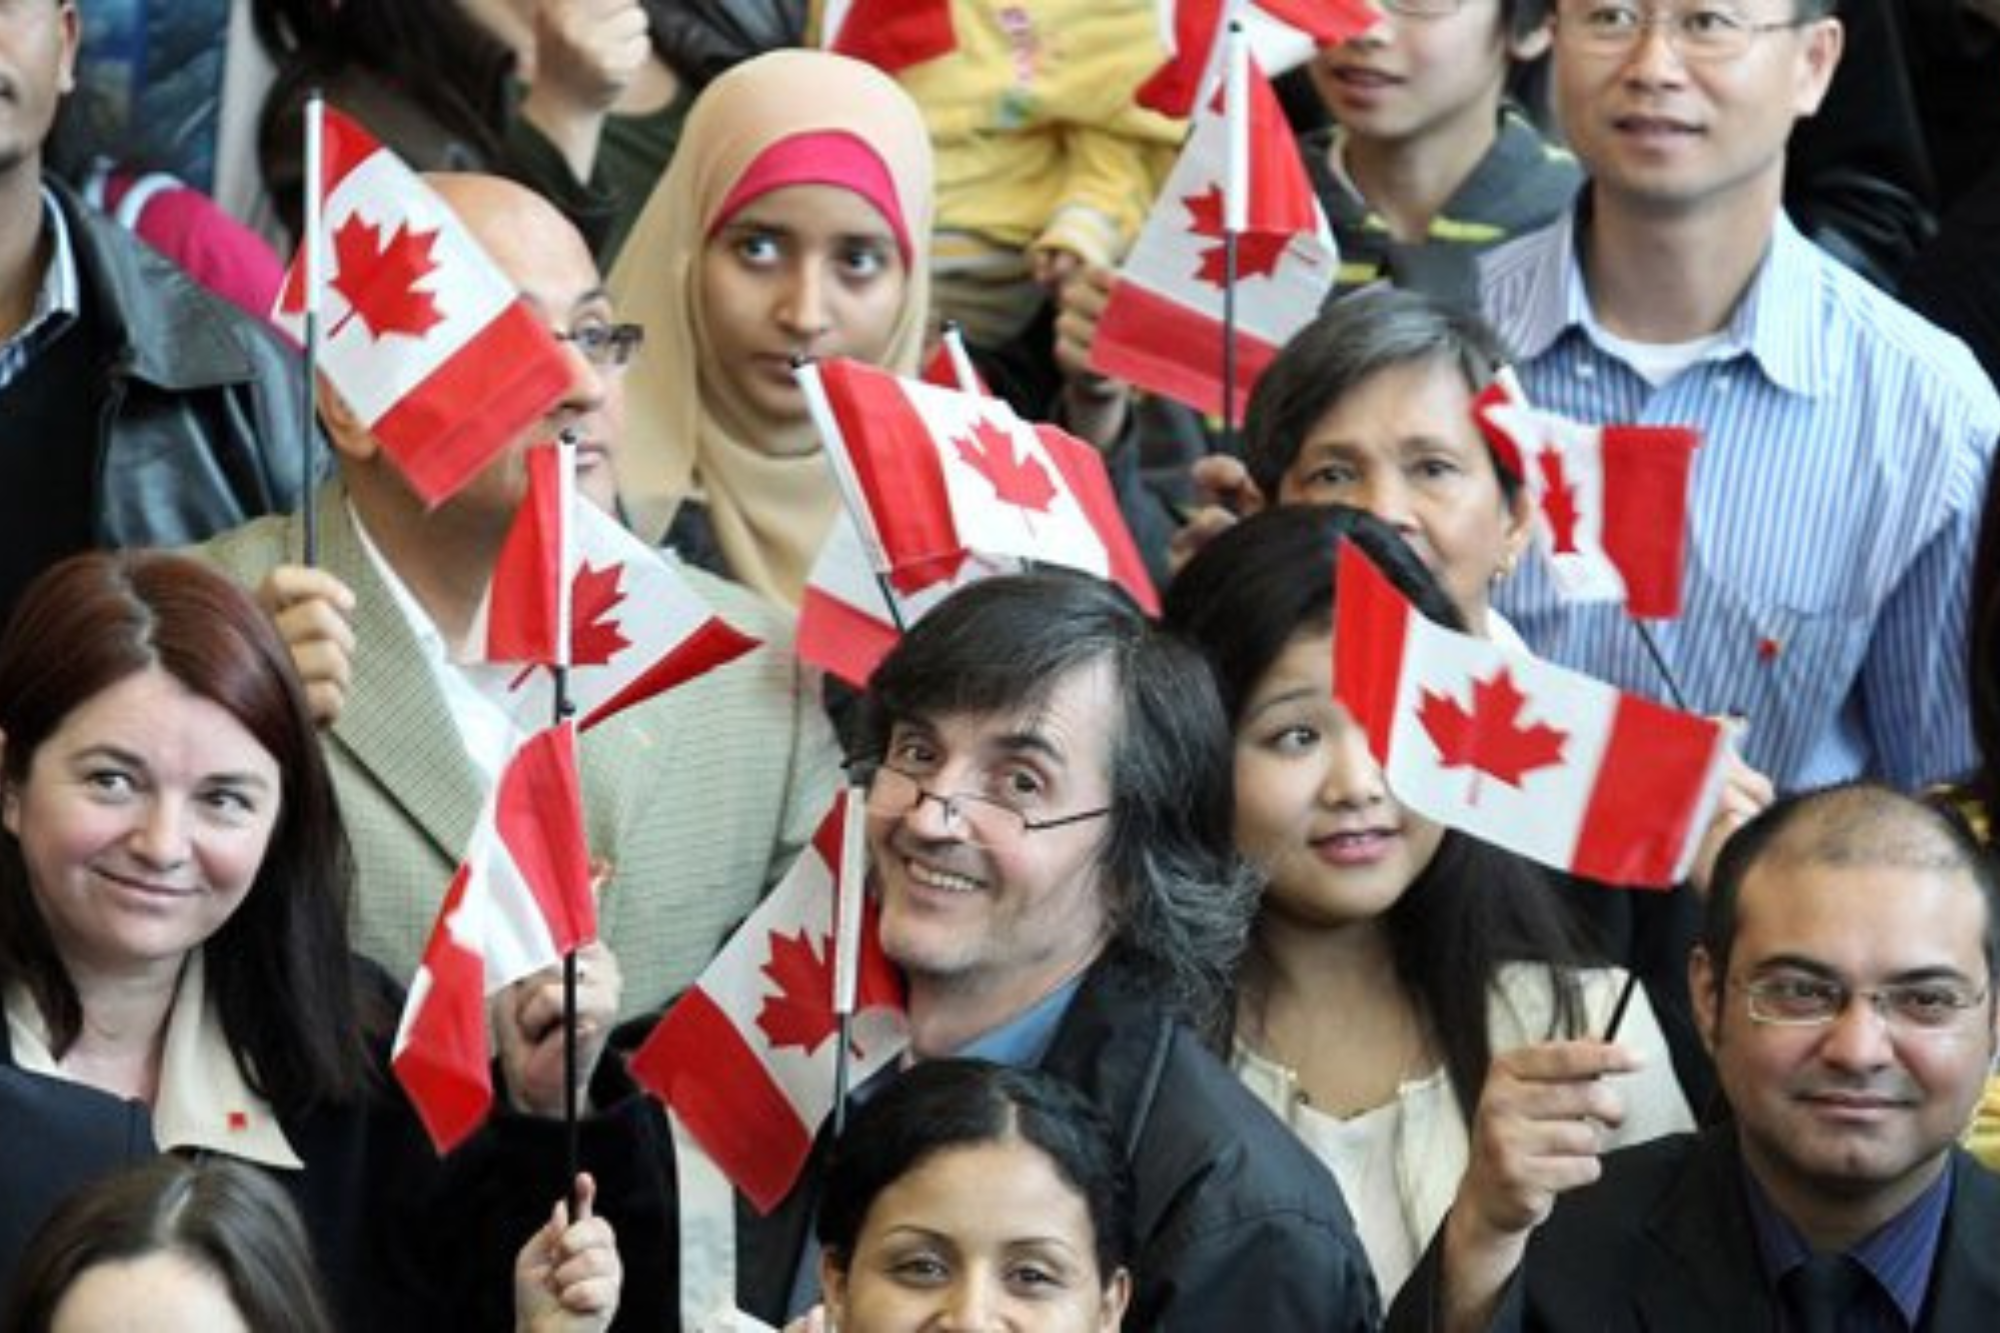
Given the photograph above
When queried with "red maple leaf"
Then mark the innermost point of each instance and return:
(801, 1013)
(1490, 738)
(1558, 499)
(1257, 252)
(594, 635)
(1018, 479)
(379, 280)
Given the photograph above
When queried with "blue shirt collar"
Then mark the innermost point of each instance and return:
(1024, 1039)
(1899, 1254)
(1776, 323)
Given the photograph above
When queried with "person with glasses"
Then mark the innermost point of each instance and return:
(695, 801)
(1845, 442)
(1845, 984)
(1425, 163)
(1049, 831)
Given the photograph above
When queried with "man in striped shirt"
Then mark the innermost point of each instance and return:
(1846, 442)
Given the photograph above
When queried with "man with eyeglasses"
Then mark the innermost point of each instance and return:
(1845, 986)
(1049, 830)
(695, 802)
(1845, 442)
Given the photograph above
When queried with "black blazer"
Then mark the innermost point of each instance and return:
(1665, 1241)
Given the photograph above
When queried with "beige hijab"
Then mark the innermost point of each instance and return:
(772, 500)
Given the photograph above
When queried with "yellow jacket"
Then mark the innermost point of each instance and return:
(1038, 140)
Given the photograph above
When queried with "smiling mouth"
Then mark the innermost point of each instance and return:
(145, 887)
(938, 879)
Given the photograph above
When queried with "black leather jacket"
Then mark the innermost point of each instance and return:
(199, 407)
(1240, 1226)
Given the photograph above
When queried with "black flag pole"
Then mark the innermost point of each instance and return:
(561, 709)
(1235, 208)
(313, 249)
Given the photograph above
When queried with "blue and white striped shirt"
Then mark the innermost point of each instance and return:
(1836, 501)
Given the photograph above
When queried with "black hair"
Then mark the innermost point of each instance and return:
(1851, 824)
(939, 1105)
(222, 1216)
(1251, 592)
(1181, 898)
(1352, 341)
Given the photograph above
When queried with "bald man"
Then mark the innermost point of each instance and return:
(696, 801)
(1845, 986)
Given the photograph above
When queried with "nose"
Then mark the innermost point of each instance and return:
(803, 309)
(159, 839)
(1656, 54)
(970, 1304)
(1353, 779)
(584, 392)
(1383, 493)
(1858, 1038)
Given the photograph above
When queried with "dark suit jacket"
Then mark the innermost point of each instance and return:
(1239, 1226)
(1665, 1241)
(55, 1146)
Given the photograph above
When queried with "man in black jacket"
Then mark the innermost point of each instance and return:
(136, 409)
(1845, 985)
(1050, 832)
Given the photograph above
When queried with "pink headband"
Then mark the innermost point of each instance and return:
(819, 157)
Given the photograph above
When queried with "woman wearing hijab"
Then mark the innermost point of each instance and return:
(795, 220)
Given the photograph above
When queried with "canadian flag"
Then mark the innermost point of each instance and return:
(635, 628)
(1162, 327)
(930, 474)
(745, 1058)
(949, 366)
(520, 901)
(1549, 763)
(850, 617)
(1282, 34)
(425, 338)
(888, 34)
(1610, 501)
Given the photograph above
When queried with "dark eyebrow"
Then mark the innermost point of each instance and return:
(119, 755)
(1813, 967)
(1028, 742)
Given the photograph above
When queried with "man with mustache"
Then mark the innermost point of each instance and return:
(1845, 984)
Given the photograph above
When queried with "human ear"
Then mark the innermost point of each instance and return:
(1533, 44)
(1117, 1296)
(1702, 986)
(349, 435)
(1824, 39)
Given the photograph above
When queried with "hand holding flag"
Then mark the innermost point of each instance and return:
(1549, 763)
(520, 901)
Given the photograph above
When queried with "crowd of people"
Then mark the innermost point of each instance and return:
(1208, 1027)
